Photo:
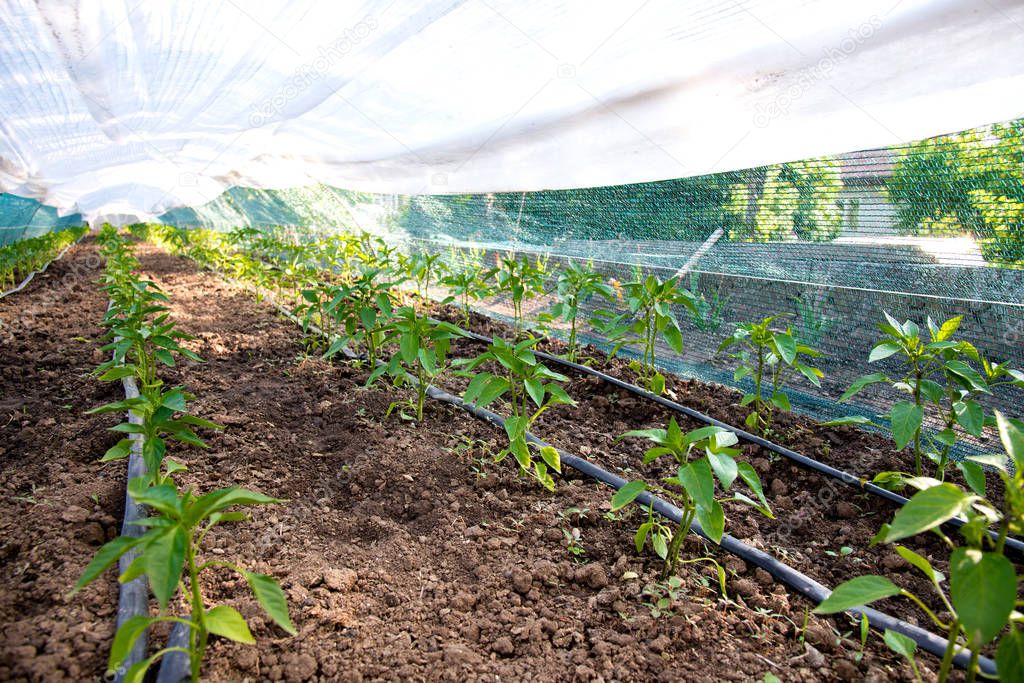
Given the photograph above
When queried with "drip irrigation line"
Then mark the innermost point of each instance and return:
(793, 578)
(804, 461)
(132, 596)
(28, 279)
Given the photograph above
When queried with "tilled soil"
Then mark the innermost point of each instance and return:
(57, 504)
(823, 527)
(407, 555)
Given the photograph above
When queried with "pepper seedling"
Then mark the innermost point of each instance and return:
(649, 318)
(576, 285)
(525, 381)
(982, 595)
(169, 557)
(702, 456)
(938, 377)
(773, 355)
(422, 357)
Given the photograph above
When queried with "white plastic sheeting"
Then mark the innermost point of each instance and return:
(129, 107)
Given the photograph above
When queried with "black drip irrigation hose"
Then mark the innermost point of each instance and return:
(133, 596)
(28, 278)
(809, 463)
(796, 580)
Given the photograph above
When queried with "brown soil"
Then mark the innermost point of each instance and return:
(402, 562)
(405, 554)
(57, 505)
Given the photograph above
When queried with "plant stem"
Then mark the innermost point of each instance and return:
(947, 658)
(677, 541)
(199, 634)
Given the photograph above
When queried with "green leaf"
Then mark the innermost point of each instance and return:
(724, 467)
(627, 494)
(712, 520)
(218, 500)
(270, 596)
(137, 672)
(1012, 438)
(673, 337)
(226, 622)
(163, 559)
(927, 510)
(476, 385)
(786, 345)
(125, 638)
(162, 498)
(698, 481)
(848, 420)
(883, 350)
(857, 592)
(900, 644)
(781, 401)
(409, 347)
(660, 546)
(118, 373)
(493, 389)
(982, 587)
(122, 449)
(905, 420)
(922, 564)
(536, 391)
(110, 553)
(659, 436)
(641, 535)
(974, 475)
(558, 395)
(128, 428)
(1010, 656)
(948, 328)
(551, 457)
(968, 375)
(749, 476)
(860, 383)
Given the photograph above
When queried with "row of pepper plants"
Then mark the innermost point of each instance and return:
(363, 294)
(20, 258)
(167, 551)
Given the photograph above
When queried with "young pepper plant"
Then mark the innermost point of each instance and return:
(982, 594)
(467, 285)
(422, 268)
(701, 456)
(937, 376)
(525, 381)
(577, 284)
(422, 357)
(770, 357)
(649, 318)
(522, 281)
(362, 311)
(169, 556)
(163, 416)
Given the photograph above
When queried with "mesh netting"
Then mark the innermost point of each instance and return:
(934, 228)
(21, 218)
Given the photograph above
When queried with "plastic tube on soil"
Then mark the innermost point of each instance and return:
(796, 580)
(133, 596)
(28, 278)
(175, 667)
(809, 463)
